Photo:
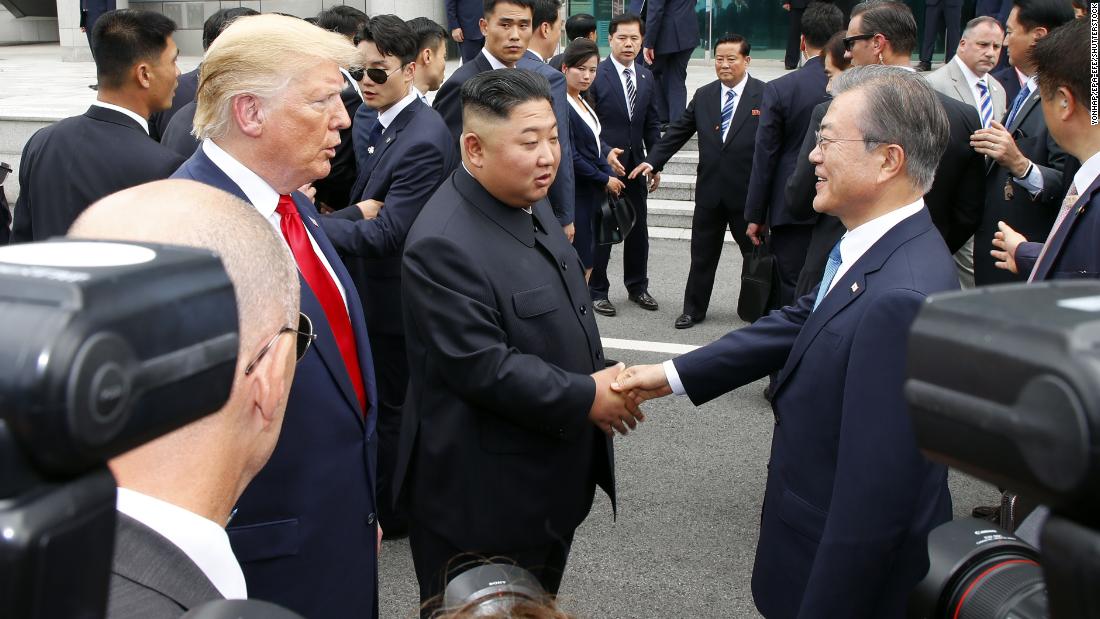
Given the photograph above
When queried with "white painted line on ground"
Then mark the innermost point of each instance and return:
(664, 347)
(679, 234)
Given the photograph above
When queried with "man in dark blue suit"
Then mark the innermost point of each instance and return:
(464, 19)
(938, 16)
(90, 12)
(1072, 249)
(795, 10)
(784, 116)
(849, 499)
(69, 165)
(671, 35)
(306, 529)
(408, 156)
(625, 98)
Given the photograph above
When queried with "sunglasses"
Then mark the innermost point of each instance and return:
(849, 42)
(378, 76)
(305, 337)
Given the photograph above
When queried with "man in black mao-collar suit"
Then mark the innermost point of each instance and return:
(68, 165)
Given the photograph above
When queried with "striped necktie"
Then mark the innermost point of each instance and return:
(1025, 92)
(631, 93)
(727, 112)
(985, 104)
(831, 269)
(1067, 206)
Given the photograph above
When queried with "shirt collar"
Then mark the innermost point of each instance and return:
(619, 67)
(493, 62)
(1087, 174)
(738, 88)
(121, 110)
(536, 54)
(385, 118)
(203, 541)
(1032, 84)
(858, 240)
(260, 194)
(971, 77)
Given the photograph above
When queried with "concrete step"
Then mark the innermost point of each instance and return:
(670, 213)
(683, 163)
(675, 187)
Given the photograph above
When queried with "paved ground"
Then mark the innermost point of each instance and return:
(690, 482)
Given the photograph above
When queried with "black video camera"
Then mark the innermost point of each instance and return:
(1004, 384)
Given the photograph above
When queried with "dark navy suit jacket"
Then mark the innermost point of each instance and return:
(186, 87)
(591, 168)
(361, 126)
(305, 529)
(448, 101)
(413, 158)
(561, 192)
(618, 130)
(671, 26)
(849, 499)
(784, 117)
(465, 14)
(177, 136)
(1075, 248)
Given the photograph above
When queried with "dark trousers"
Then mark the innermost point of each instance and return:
(789, 244)
(437, 561)
(945, 12)
(393, 381)
(708, 227)
(635, 247)
(794, 37)
(670, 71)
(470, 48)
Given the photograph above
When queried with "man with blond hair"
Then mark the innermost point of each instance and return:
(269, 114)
(177, 492)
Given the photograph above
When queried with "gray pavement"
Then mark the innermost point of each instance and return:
(690, 481)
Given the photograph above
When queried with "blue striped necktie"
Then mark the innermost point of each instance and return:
(830, 272)
(631, 93)
(985, 104)
(727, 112)
(1025, 92)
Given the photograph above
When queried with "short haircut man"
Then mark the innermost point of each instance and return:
(965, 79)
(431, 59)
(176, 493)
(581, 25)
(820, 22)
(850, 499)
(269, 114)
(342, 19)
(220, 20)
(72, 163)
(892, 20)
(621, 20)
(480, 340)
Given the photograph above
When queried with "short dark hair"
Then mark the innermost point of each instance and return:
(544, 12)
(220, 20)
(125, 37)
(392, 36)
(1047, 13)
(1060, 60)
(428, 33)
(491, 5)
(579, 51)
(893, 20)
(579, 25)
(623, 19)
(834, 49)
(820, 21)
(342, 19)
(1079, 4)
(496, 93)
(730, 37)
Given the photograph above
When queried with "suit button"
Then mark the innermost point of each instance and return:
(584, 310)
(370, 519)
(564, 266)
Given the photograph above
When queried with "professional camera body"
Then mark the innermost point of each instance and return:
(1004, 384)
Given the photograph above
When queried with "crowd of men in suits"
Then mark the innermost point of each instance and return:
(447, 379)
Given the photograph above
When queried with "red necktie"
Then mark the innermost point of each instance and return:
(322, 285)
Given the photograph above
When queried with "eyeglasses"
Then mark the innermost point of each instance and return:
(850, 42)
(824, 140)
(305, 333)
(378, 76)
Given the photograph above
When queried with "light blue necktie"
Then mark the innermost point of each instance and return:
(830, 272)
(985, 103)
(727, 112)
(1025, 92)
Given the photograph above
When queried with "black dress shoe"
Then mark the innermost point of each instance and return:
(644, 300)
(790, 67)
(684, 322)
(924, 66)
(603, 307)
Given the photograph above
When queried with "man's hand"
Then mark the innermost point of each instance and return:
(997, 144)
(569, 230)
(647, 53)
(786, 6)
(370, 208)
(643, 168)
(613, 411)
(756, 233)
(456, 34)
(615, 185)
(613, 161)
(1006, 240)
(310, 191)
(642, 382)
(654, 181)
(379, 551)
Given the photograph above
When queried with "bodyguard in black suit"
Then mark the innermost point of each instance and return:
(795, 9)
(629, 125)
(408, 158)
(90, 12)
(463, 18)
(671, 35)
(496, 314)
(784, 117)
(727, 127)
(70, 164)
(938, 15)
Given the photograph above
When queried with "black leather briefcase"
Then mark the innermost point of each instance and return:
(759, 284)
(614, 220)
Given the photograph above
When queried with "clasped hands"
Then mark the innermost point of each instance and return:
(620, 392)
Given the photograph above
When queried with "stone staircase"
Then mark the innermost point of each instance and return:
(672, 205)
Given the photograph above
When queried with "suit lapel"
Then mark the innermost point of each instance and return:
(1042, 269)
(961, 85)
(389, 136)
(1025, 109)
(615, 85)
(750, 101)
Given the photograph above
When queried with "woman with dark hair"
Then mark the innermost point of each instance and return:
(833, 56)
(593, 174)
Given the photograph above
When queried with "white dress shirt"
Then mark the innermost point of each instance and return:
(588, 115)
(738, 88)
(121, 110)
(264, 198)
(385, 118)
(203, 541)
(853, 245)
(496, 64)
(1087, 174)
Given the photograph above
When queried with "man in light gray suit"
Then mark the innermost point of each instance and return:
(966, 78)
(176, 493)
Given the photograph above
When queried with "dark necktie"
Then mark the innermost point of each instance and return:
(324, 288)
(1025, 92)
(727, 112)
(631, 93)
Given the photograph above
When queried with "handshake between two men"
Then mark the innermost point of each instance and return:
(620, 392)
